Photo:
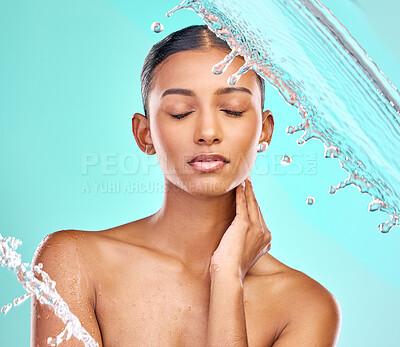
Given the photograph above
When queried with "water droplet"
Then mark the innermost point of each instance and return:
(332, 190)
(310, 200)
(223, 65)
(300, 141)
(233, 79)
(331, 152)
(52, 341)
(286, 160)
(375, 205)
(157, 27)
(21, 299)
(385, 227)
(290, 130)
(6, 308)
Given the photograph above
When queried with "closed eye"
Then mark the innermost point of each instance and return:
(233, 113)
(179, 116)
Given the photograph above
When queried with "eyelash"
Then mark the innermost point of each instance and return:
(233, 113)
(179, 116)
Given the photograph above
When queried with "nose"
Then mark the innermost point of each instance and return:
(208, 129)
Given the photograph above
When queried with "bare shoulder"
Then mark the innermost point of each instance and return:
(291, 282)
(64, 258)
(76, 255)
(58, 243)
(75, 245)
(65, 251)
(69, 248)
(309, 314)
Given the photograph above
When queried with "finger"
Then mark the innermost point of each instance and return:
(252, 205)
(262, 221)
(261, 253)
(267, 233)
(241, 204)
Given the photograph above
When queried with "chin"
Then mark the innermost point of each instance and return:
(204, 186)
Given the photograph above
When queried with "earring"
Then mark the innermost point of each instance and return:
(262, 146)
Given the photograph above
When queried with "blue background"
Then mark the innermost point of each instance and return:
(69, 85)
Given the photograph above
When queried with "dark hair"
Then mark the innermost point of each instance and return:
(192, 37)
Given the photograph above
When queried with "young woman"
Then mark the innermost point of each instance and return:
(197, 272)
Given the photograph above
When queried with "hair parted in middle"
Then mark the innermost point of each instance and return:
(194, 37)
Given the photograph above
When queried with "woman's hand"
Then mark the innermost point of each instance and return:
(246, 239)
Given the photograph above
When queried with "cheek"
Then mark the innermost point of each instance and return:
(247, 135)
(169, 144)
(246, 146)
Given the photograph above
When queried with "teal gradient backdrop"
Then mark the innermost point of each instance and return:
(69, 85)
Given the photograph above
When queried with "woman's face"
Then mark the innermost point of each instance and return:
(193, 111)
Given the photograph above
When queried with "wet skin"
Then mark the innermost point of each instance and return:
(147, 283)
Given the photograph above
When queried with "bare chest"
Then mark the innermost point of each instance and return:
(166, 309)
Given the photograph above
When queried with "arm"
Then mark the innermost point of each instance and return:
(64, 261)
(226, 319)
(242, 244)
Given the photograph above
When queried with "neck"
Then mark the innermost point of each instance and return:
(190, 227)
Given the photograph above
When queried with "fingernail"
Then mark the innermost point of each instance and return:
(249, 178)
(243, 184)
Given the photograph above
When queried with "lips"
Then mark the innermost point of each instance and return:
(208, 161)
(202, 157)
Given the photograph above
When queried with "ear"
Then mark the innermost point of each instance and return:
(141, 132)
(267, 127)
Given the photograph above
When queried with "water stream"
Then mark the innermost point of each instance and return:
(342, 97)
(344, 100)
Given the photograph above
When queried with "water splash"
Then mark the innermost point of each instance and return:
(157, 27)
(304, 51)
(286, 160)
(17, 301)
(6, 308)
(310, 200)
(44, 291)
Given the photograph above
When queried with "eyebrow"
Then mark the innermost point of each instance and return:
(179, 91)
(220, 91)
(228, 90)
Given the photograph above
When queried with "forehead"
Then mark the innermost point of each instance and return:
(192, 70)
